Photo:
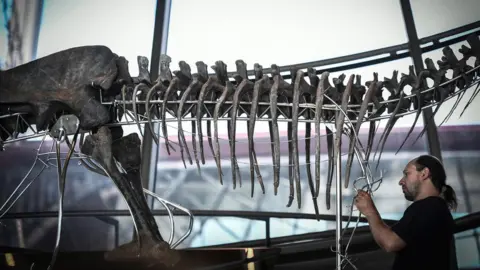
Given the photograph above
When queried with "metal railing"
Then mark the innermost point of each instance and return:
(465, 223)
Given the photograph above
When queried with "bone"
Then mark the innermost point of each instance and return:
(47, 86)
(275, 134)
(227, 92)
(202, 76)
(206, 89)
(371, 136)
(142, 88)
(156, 92)
(260, 87)
(330, 150)
(190, 93)
(419, 100)
(143, 73)
(356, 94)
(333, 94)
(180, 82)
(449, 61)
(287, 93)
(440, 92)
(104, 151)
(210, 89)
(300, 87)
(323, 85)
(314, 80)
(245, 86)
(265, 110)
(402, 105)
(291, 179)
(194, 139)
(123, 76)
(474, 50)
(339, 130)
(358, 90)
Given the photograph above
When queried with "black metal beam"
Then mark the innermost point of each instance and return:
(159, 46)
(255, 215)
(382, 55)
(433, 142)
(465, 223)
(160, 36)
(462, 224)
(38, 24)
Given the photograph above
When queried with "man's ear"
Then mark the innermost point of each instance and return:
(425, 173)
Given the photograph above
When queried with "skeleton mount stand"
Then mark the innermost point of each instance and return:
(101, 95)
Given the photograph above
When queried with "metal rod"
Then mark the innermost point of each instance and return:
(433, 142)
(304, 105)
(267, 233)
(160, 36)
(338, 210)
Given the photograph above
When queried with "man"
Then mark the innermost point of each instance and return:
(423, 237)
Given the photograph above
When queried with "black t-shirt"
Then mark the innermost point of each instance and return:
(427, 228)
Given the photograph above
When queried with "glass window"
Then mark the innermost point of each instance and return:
(19, 24)
(433, 17)
(467, 244)
(275, 32)
(268, 38)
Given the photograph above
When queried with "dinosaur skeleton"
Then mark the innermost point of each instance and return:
(92, 87)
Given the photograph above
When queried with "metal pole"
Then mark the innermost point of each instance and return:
(433, 143)
(159, 46)
(338, 209)
(160, 36)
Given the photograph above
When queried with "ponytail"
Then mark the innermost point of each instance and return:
(448, 194)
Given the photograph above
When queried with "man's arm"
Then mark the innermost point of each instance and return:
(387, 239)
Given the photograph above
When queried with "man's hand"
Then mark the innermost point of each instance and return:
(364, 204)
(382, 234)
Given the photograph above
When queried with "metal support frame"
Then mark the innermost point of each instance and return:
(433, 142)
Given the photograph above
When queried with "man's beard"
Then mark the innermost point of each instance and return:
(408, 196)
(410, 193)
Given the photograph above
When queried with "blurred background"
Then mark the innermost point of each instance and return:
(261, 32)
